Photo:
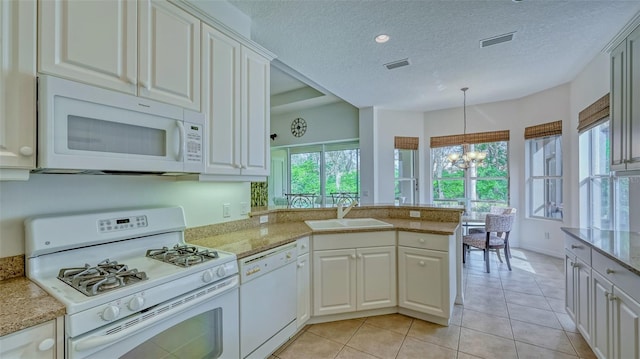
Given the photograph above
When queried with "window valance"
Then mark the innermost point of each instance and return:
(479, 137)
(405, 143)
(543, 130)
(594, 114)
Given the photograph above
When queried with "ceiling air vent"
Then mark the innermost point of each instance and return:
(396, 64)
(497, 39)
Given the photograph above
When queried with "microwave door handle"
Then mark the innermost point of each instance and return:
(181, 134)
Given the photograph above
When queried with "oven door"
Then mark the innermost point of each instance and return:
(205, 328)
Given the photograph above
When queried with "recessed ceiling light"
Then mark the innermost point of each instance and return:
(382, 38)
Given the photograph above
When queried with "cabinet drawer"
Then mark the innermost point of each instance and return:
(621, 277)
(354, 240)
(303, 245)
(579, 248)
(436, 242)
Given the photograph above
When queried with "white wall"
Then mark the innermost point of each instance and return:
(332, 122)
(48, 193)
(377, 131)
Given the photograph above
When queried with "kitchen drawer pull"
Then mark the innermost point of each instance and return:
(610, 271)
(573, 246)
(612, 297)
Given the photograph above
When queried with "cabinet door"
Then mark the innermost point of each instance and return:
(334, 281)
(618, 106)
(90, 41)
(304, 290)
(255, 113)
(169, 57)
(221, 101)
(17, 88)
(633, 99)
(570, 288)
(601, 310)
(35, 342)
(583, 299)
(424, 281)
(376, 277)
(626, 326)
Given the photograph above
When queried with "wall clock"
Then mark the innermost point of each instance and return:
(298, 127)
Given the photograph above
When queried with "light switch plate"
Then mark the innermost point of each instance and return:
(414, 214)
(264, 219)
(226, 210)
(244, 208)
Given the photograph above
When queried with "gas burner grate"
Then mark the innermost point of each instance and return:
(103, 277)
(182, 255)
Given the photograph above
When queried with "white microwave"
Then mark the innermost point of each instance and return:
(84, 128)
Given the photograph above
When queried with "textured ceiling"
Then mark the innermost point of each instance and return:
(331, 43)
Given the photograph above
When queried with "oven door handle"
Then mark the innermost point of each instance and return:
(94, 342)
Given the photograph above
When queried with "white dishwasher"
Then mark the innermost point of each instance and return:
(268, 300)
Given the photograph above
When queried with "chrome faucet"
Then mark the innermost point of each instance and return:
(342, 211)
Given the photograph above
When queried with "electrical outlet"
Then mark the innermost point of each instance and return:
(264, 219)
(226, 210)
(244, 207)
(546, 235)
(414, 214)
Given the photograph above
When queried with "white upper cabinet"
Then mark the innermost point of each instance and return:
(256, 107)
(221, 101)
(236, 100)
(90, 41)
(147, 48)
(625, 104)
(169, 56)
(17, 89)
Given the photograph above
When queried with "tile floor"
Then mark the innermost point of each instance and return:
(518, 314)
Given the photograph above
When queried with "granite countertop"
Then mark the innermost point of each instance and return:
(24, 304)
(622, 247)
(250, 241)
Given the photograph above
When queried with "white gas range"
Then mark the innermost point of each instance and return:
(130, 283)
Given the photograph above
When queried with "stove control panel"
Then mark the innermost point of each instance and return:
(121, 224)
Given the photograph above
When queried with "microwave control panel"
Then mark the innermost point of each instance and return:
(194, 134)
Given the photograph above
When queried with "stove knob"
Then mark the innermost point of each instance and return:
(136, 303)
(221, 272)
(110, 313)
(207, 276)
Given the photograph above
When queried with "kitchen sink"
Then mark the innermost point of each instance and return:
(346, 223)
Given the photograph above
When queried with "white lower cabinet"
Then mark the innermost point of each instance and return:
(349, 276)
(424, 281)
(427, 275)
(303, 283)
(616, 316)
(578, 293)
(34, 342)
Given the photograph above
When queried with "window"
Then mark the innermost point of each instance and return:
(545, 177)
(596, 185)
(405, 176)
(477, 188)
(322, 171)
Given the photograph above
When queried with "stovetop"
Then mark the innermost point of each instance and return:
(105, 276)
(183, 255)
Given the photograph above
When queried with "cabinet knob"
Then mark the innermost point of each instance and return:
(303, 246)
(612, 297)
(26, 151)
(421, 263)
(46, 344)
(610, 271)
(359, 255)
(244, 167)
(301, 264)
(421, 240)
(353, 256)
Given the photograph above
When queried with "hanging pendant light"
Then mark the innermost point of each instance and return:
(467, 158)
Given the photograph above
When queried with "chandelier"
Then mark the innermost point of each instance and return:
(468, 158)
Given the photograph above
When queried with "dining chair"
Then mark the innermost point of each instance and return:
(496, 237)
(496, 210)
